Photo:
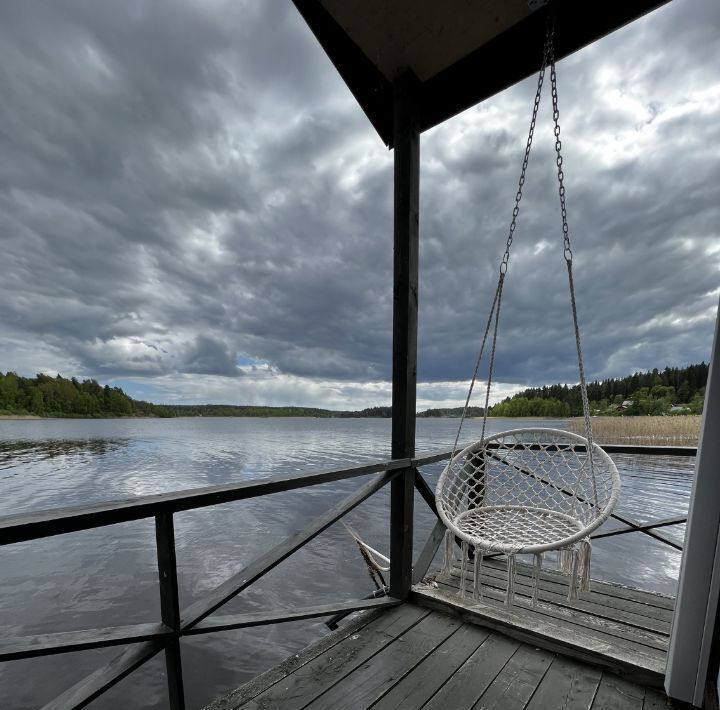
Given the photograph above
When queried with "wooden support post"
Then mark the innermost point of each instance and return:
(405, 304)
(694, 652)
(170, 606)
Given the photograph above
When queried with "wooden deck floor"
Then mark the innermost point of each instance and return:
(618, 628)
(412, 657)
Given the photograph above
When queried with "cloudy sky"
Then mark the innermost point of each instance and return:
(193, 207)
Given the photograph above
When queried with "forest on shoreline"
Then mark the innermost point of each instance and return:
(670, 391)
(674, 390)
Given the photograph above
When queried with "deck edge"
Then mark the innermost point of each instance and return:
(651, 673)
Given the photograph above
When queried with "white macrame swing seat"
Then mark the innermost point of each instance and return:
(527, 491)
(533, 490)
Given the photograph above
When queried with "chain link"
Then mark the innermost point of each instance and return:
(495, 309)
(547, 60)
(567, 251)
(526, 158)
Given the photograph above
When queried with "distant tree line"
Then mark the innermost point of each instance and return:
(47, 396)
(232, 410)
(674, 390)
(451, 412)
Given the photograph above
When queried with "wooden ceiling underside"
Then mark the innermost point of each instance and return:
(456, 52)
(423, 36)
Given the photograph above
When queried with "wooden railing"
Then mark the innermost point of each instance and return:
(147, 640)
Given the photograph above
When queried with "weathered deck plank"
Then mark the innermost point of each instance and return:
(566, 613)
(639, 663)
(250, 690)
(618, 694)
(410, 658)
(555, 586)
(549, 578)
(517, 681)
(380, 673)
(623, 630)
(472, 679)
(321, 673)
(655, 700)
(567, 684)
(418, 686)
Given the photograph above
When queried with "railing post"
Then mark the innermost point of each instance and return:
(170, 606)
(406, 144)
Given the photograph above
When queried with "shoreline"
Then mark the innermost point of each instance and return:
(23, 416)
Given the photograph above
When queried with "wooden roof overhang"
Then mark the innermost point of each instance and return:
(460, 51)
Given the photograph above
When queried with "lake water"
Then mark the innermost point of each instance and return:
(108, 576)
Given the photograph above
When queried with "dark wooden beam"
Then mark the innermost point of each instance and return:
(169, 606)
(370, 88)
(332, 622)
(437, 535)
(494, 66)
(46, 523)
(12, 649)
(638, 527)
(425, 491)
(242, 621)
(406, 139)
(405, 279)
(679, 520)
(262, 565)
(517, 54)
(650, 450)
(430, 457)
(94, 685)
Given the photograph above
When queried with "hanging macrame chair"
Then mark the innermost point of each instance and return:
(533, 490)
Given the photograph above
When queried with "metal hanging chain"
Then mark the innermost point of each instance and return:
(495, 309)
(567, 251)
(548, 59)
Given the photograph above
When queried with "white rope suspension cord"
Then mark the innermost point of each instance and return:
(495, 309)
(567, 253)
(531, 490)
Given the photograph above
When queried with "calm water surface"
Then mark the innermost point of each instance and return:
(108, 576)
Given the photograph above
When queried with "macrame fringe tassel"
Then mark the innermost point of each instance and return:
(580, 580)
(585, 553)
(448, 561)
(477, 580)
(510, 591)
(575, 562)
(536, 577)
(573, 591)
(565, 560)
(463, 567)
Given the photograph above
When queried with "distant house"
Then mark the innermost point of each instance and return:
(678, 408)
(626, 403)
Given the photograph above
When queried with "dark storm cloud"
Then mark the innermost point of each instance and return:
(643, 210)
(186, 186)
(207, 356)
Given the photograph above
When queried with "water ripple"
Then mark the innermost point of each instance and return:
(109, 576)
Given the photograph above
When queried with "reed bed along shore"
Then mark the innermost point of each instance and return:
(659, 431)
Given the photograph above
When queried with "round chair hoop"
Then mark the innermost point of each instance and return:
(527, 490)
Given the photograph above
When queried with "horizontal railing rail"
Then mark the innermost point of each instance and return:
(146, 640)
